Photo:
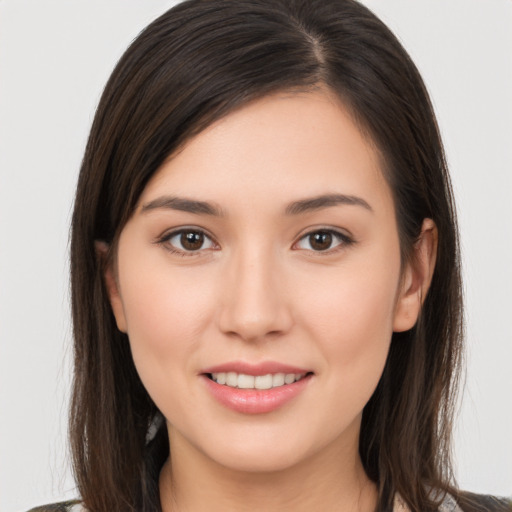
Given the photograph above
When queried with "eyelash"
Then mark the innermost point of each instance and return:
(165, 242)
(343, 241)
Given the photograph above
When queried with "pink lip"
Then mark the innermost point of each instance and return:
(255, 401)
(262, 368)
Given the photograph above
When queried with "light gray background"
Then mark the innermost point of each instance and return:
(55, 56)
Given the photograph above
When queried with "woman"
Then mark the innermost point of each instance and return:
(265, 271)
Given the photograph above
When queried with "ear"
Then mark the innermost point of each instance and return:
(111, 283)
(416, 278)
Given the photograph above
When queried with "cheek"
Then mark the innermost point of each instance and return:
(161, 305)
(352, 304)
(351, 318)
(165, 312)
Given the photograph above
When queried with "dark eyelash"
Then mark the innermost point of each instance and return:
(164, 239)
(184, 254)
(346, 240)
(343, 236)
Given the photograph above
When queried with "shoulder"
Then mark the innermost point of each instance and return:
(459, 501)
(470, 502)
(63, 506)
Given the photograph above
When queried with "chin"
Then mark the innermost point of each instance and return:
(265, 450)
(259, 460)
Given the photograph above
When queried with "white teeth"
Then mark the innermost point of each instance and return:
(263, 381)
(243, 381)
(232, 379)
(289, 378)
(278, 380)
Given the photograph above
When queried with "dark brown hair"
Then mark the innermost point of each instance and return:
(198, 62)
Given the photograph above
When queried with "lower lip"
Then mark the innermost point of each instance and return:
(255, 401)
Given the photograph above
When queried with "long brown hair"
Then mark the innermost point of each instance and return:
(196, 63)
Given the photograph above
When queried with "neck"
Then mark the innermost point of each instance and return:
(333, 479)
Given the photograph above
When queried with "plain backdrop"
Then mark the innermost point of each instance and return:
(55, 56)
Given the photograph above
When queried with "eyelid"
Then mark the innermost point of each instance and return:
(171, 233)
(345, 239)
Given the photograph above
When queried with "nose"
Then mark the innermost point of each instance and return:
(253, 299)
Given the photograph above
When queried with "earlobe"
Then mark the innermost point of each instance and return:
(111, 284)
(416, 278)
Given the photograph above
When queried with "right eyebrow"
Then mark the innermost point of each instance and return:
(325, 201)
(184, 205)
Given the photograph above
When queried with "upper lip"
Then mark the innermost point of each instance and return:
(263, 368)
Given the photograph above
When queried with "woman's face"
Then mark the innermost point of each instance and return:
(265, 252)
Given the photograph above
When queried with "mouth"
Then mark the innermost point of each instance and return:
(245, 381)
(256, 388)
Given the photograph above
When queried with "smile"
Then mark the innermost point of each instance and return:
(244, 381)
(256, 389)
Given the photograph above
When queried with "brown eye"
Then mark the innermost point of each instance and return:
(323, 240)
(188, 241)
(320, 241)
(192, 240)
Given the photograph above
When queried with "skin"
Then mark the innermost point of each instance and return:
(257, 290)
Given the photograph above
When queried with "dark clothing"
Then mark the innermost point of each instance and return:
(467, 502)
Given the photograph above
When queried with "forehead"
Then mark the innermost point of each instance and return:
(274, 150)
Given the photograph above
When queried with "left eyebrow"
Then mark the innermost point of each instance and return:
(325, 201)
(184, 205)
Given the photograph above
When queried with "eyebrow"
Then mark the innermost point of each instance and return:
(325, 201)
(296, 208)
(184, 205)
